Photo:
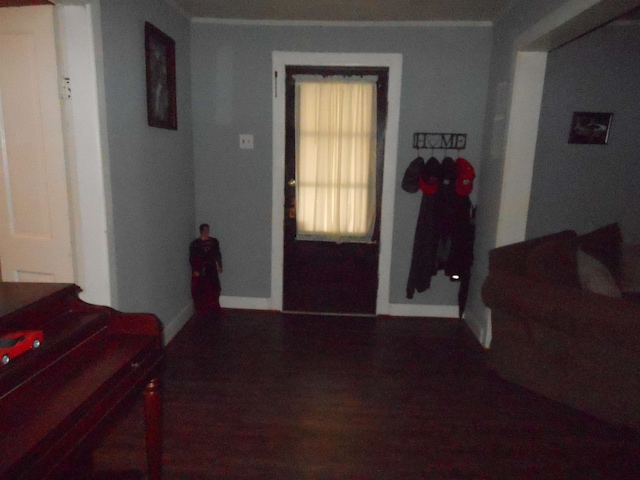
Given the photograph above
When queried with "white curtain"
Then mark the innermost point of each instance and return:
(335, 158)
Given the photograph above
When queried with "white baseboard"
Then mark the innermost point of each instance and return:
(406, 310)
(481, 329)
(245, 303)
(175, 325)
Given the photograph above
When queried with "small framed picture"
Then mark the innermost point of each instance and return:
(590, 128)
(160, 53)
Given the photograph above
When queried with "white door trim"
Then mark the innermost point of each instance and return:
(394, 62)
(522, 135)
(84, 151)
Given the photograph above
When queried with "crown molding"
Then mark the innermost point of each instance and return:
(178, 9)
(323, 23)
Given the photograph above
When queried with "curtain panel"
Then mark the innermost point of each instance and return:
(335, 158)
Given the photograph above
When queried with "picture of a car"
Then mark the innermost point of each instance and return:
(14, 344)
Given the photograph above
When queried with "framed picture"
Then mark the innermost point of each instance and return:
(160, 53)
(590, 128)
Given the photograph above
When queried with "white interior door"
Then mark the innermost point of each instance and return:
(35, 238)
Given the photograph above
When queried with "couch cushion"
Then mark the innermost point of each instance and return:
(594, 276)
(605, 244)
(554, 262)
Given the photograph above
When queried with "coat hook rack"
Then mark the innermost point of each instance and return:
(430, 140)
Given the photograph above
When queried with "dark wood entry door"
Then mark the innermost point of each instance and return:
(329, 277)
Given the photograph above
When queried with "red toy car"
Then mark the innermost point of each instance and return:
(16, 343)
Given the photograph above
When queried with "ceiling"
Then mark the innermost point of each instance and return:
(344, 10)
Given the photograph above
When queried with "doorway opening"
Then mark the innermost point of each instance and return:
(393, 63)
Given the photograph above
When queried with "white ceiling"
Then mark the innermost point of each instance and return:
(344, 10)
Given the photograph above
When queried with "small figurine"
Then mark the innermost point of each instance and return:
(206, 266)
(16, 343)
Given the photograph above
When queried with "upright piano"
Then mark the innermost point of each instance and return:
(56, 398)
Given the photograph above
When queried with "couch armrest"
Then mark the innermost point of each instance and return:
(581, 313)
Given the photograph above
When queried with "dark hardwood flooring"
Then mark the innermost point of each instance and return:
(267, 395)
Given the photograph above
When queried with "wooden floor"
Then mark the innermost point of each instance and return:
(265, 395)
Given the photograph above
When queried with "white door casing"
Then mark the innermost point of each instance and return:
(35, 239)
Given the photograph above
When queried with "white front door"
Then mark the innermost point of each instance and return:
(35, 238)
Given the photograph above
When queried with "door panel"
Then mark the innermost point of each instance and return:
(35, 241)
(329, 277)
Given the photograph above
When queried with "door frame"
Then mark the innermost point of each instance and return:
(79, 31)
(393, 61)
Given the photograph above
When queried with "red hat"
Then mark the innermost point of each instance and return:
(430, 176)
(466, 174)
(428, 188)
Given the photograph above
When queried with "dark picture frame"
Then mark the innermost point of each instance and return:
(160, 55)
(590, 128)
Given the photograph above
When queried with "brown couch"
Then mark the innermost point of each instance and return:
(552, 336)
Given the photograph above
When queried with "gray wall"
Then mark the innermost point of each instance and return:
(445, 75)
(583, 187)
(151, 169)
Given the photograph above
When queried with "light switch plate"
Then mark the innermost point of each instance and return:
(246, 141)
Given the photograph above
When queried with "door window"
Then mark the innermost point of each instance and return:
(335, 158)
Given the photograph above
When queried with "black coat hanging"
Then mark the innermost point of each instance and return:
(424, 258)
(445, 230)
